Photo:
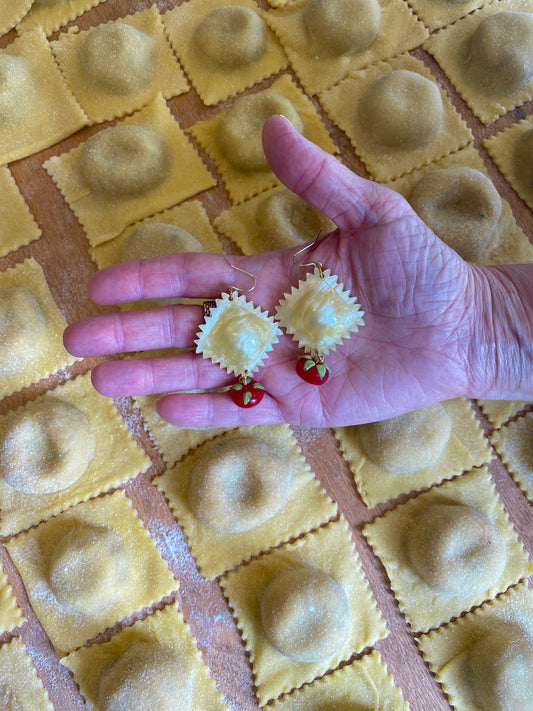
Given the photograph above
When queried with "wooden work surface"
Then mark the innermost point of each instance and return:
(63, 253)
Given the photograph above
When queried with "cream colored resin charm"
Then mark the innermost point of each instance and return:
(318, 313)
(237, 335)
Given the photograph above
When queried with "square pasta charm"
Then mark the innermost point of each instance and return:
(237, 335)
(319, 315)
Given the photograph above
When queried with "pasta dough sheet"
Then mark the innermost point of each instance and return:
(242, 185)
(173, 442)
(499, 411)
(17, 225)
(464, 448)
(215, 81)
(104, 218)
(31, 329)
(103, 102)
(10, 613)
(446, 649)
(275, 219)
(38, 108)
(383, 163)
(504, 148)
(423, 605)
(439, 13)
(166, 630)
(509, 244)
(299, 505)
(21, 687)
(514, 442)
(363, 684)
(116, 457)
(329, 549)
(399, 31)
(11, 12)
(116, 569)
(52, 14)
(450, 48)
(190, 216)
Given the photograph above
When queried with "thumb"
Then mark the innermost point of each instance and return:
(323, 181)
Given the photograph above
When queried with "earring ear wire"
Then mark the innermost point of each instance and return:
(316, 265)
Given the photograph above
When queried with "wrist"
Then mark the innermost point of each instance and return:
(499, 356)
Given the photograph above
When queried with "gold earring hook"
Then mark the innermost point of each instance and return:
(317, 265)
(233, 288)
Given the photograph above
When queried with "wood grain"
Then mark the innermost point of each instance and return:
(63, 253)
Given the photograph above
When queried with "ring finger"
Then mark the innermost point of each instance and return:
(172, 326)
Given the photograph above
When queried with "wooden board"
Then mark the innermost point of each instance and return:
(63, 253)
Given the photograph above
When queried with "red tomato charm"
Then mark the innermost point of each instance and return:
(312, 369)
(247, 393)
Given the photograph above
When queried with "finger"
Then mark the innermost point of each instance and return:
(165, 327)
(319, 178)
(187, 274)
(215, 410)
(147, 376)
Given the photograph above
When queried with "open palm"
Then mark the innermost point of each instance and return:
(415, 291)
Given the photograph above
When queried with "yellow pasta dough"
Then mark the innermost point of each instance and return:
(388, 111)
(255, 109)
(461, 206)
(327, 40)
(20, 687)
(59, 449)
(185, 228)
(17, 225)
(458, 205)
(514, 442)
(499, 411)
(10, 613)
(363, 684)
(116, 569)
(500, 666)
(448, 549)
(484, 659)
(414, 450)
(243, 492)
(488, 56)
(130, 171)
(305, 614)
(439, 13)
(275, 219)
(37, 108)
(46, 447)
(321, 568)
(238, 133)
(11, 12)
(378, 108)
(51, 14)
(224, 47)
(118, 67)
(152, 665)
(31, 328)
(447, 541)
(124, 161)
(407, 443)
(512, 151)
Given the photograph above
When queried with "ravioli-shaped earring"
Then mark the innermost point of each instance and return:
(237, 335)
(319, 314)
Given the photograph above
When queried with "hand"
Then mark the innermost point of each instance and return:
(419, 298)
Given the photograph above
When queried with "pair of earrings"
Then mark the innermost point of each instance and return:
(237, 335)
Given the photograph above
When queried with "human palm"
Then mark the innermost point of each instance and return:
(414, 290)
